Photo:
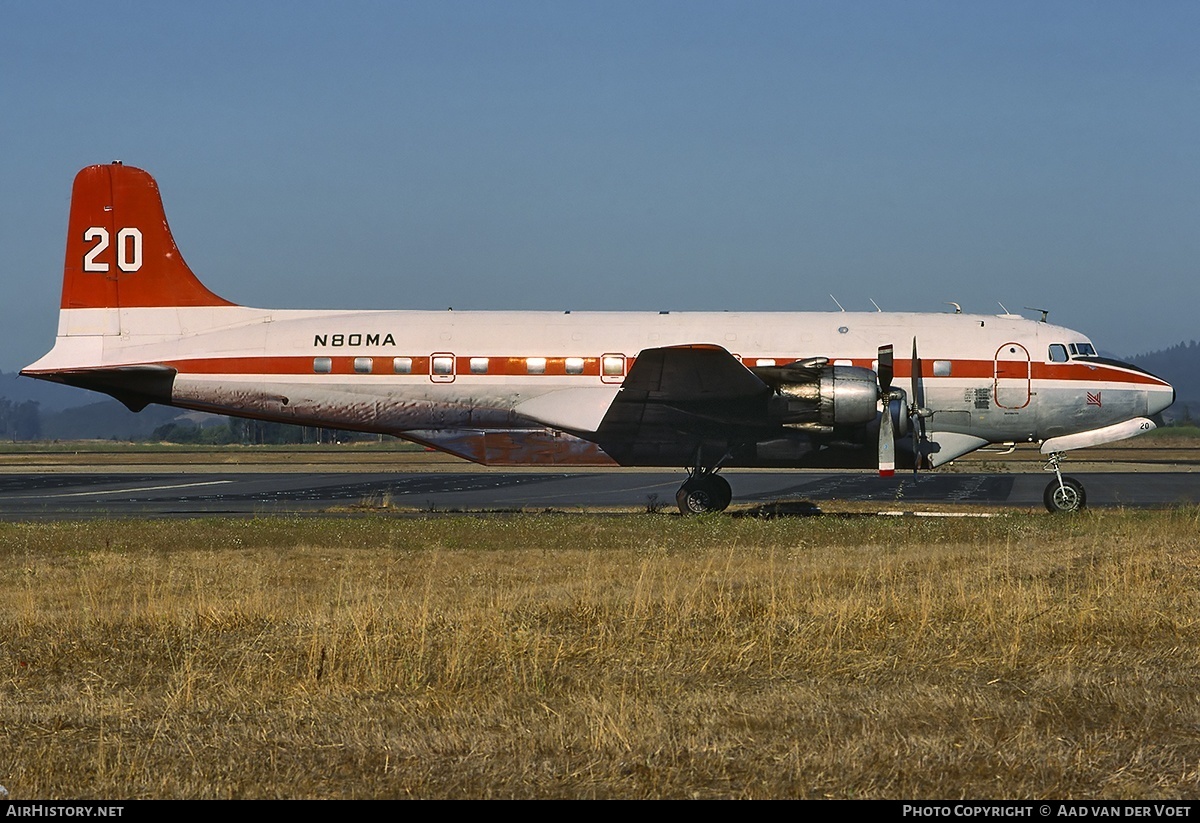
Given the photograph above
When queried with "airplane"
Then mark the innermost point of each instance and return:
(701, 391)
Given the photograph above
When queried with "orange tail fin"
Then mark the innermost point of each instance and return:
(120, 252)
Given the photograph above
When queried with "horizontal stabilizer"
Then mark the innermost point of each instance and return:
(135, 386)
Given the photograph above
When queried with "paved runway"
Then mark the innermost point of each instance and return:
(64, 496)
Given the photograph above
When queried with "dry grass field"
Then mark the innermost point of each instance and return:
(1019, 656)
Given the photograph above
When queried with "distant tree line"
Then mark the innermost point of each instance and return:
(1180, 366)
(252, 433)
(1181, 360)
(20, 421)
(23, 420)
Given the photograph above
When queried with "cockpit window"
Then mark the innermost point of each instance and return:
(1083, 350)
(1058, 353)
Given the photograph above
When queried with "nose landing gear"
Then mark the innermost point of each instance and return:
(1063, 494)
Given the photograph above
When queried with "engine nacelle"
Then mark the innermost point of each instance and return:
(828, 397)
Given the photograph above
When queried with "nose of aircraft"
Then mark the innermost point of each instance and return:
(1159, 398)
(1159, 393)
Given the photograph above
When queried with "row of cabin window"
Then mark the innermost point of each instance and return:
(941, 368)
(612, 365)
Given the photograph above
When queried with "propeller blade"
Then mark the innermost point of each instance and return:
(916, 404)
(885, 370)
(887, 440)
(917, 400)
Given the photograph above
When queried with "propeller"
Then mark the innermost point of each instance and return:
(916, 410)
(887, 437)
(910, 410)
(916, 419)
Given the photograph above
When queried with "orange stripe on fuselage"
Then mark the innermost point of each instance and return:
(509, 366)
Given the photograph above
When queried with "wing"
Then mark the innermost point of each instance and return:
(694, 376)
(678, 399)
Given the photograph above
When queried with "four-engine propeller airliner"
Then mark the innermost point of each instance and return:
(697, 390)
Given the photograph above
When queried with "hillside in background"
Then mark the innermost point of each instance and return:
(50, 397)
(37, 410)
(107, 420)
(1180, 366)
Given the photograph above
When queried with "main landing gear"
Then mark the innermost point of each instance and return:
(1063, 494)
(703, 491)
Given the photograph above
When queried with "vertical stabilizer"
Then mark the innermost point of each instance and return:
(120, 252)
(123, 280)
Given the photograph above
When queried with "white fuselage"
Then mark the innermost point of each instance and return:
(990, 378)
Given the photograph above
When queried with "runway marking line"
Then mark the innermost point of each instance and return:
(937, 514)
(120, 491)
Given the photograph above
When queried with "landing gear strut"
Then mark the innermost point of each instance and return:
(1063, 494)
(703, 491)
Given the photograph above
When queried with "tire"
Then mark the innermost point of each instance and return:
(1069, 497)
(722, 490)
(704, 493)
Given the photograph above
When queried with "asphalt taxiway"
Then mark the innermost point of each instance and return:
(56, 496)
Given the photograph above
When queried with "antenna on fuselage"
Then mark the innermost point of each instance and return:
(957, 308)
(876, 305)
(1007, 314)
(834, 299)
(1045, 312)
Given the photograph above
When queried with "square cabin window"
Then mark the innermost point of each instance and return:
(574, 365)
(443, 364)
(941, 368)
(402, 365)
(764, 361)
(535, 365)
(479, 365)
(614, 365)
(363, 365)
(322, 365)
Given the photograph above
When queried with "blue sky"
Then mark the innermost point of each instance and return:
(626, 155)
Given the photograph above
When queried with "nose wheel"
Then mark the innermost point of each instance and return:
(704, 492)
(1067, 496)
(1063, 494)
